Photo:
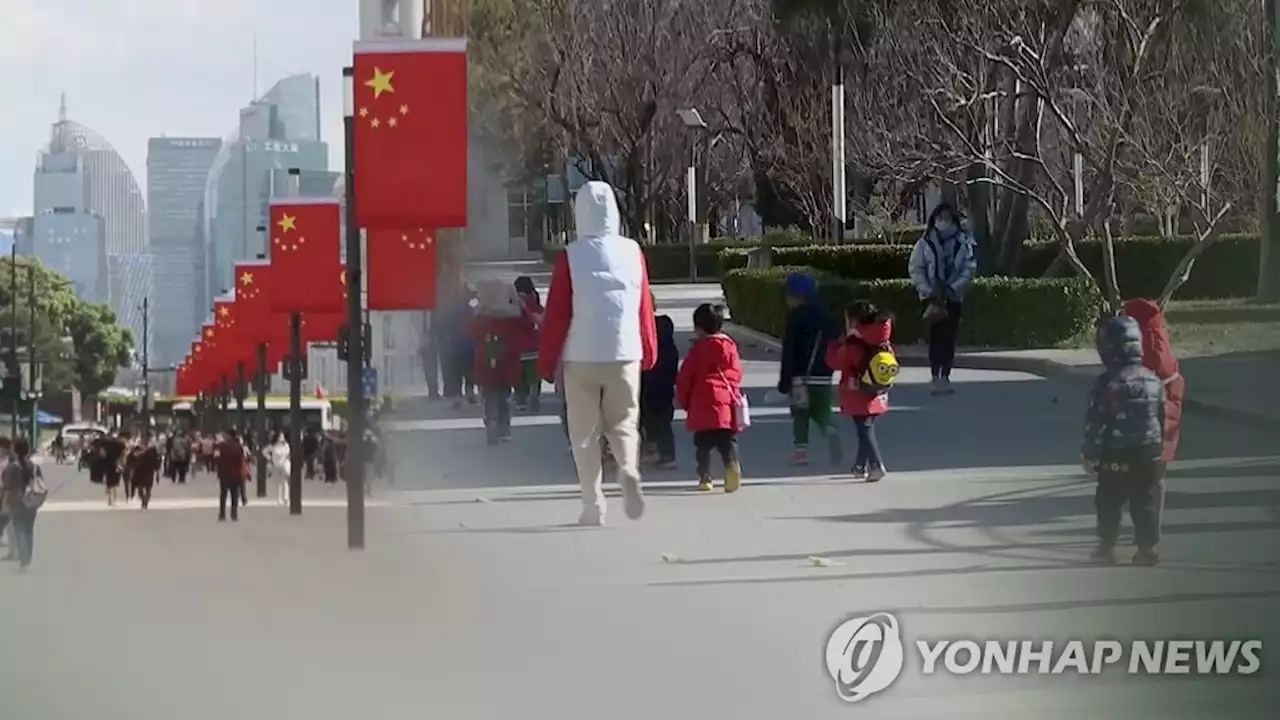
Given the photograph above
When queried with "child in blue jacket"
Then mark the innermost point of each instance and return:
(657, 398)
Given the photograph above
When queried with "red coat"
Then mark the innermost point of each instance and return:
(846, 357)
(704, 387)
(531, 320)
(506, 331)
(1157, 356)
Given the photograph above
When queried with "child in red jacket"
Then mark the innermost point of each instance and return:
(867, 331)
(1157, 356)
(709, 380)
(529, 391)
(496, 329)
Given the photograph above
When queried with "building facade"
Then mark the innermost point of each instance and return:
(176, 172)
(81, 175)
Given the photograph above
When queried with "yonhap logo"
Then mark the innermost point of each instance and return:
(865, 655)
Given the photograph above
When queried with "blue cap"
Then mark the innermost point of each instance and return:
(801, 285)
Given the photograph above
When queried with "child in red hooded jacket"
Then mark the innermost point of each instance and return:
(709, 380)
(867, 329)
(496, 328)
(1157, 356)
(529, 390)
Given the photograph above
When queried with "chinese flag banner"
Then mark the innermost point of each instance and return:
(255, 322)
(305, 243)
(233, 351)
(215, 368)
(323, 327)
(411, 133)
(402, 269)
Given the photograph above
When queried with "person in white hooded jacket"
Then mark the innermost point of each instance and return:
(942, 266)
(600, 322)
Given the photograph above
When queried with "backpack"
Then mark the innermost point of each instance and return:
(36, 491)
(877, 370)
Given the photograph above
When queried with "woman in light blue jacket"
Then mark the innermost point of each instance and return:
(943, 263)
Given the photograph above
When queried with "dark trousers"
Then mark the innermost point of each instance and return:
(24, 532)
(228, 494)
(723, 441)
(942, 341)
(430, 353)
(868, 456)
(1141, 485)
(144, 492)
(497, 412)
(458, 374)
(180, 468)
(656, 426)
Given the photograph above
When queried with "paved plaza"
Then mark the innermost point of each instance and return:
(476, 599)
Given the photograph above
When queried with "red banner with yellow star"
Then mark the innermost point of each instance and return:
(402, 269)
(305, 262)
(255, 321)
(324, 327)
(232, 349)
(411, 133)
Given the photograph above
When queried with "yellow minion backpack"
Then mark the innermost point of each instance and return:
(878, 370)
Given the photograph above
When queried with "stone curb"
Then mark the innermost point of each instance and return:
(913, 356)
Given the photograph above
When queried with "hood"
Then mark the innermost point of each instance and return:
(497, 299)
(801, 285)
(1120, 342)
(1157, 350)
(723, 345)
(666, 329)
(595, 211)
(876, 332)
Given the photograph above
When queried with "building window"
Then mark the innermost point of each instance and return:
(388, 332)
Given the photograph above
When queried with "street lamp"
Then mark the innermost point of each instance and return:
(694, 123)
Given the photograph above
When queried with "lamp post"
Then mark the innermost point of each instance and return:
(354, 330)
(13, 369)
(146, 369)
(696, 126)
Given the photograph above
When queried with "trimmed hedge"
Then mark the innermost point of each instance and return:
(1143, 264)
(670, 261)
(1008, 313)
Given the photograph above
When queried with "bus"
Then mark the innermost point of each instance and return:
(315, 413)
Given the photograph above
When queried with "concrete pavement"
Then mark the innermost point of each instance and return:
(475, 600)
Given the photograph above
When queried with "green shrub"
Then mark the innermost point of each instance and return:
(1144, 264)
(670, 261)
(861, 261)
(998, 312)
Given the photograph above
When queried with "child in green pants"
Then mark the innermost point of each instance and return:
(804, 376)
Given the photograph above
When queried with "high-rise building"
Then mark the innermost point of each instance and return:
(177, 169)
(88, 207)
(277, 132)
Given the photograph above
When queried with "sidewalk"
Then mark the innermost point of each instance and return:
(1228, 387)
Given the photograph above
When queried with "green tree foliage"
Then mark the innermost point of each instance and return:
(79, 344)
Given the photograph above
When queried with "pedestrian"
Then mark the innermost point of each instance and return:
(22, 484)
(1123, 445)
(279, 466)
(803, 373)
(658, 398)
(868, 367)
(1158, 357)
(457, 345)
(112, 459)
(6, 455)
(529, 390)
(497, 329)
(133, 450)
(329, 459)
(207, 448)
(310, 452)
(230, 467)
(179, 457)
(708, 387)
(600, 322)
(942, 265)
(146, 467)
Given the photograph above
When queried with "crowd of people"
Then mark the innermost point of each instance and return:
(616, 368)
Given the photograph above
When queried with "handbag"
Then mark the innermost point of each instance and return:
(36, 492)
(739, 405)
(799, 391)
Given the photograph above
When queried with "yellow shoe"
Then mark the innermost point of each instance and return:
(732, 477)
(705, 485)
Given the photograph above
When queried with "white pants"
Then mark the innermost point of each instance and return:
(603, 399)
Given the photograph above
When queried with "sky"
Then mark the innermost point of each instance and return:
(136, 69)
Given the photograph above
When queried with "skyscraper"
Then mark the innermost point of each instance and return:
(87, 208)
(176, 172)
(277, 132)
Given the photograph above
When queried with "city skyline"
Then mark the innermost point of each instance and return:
(131, 83)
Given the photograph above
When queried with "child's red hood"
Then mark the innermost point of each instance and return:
(875, 333)
(1157, 350)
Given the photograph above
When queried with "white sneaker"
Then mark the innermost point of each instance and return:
(936, 387)
(876, 474)
(591, 518)
(632, 497)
